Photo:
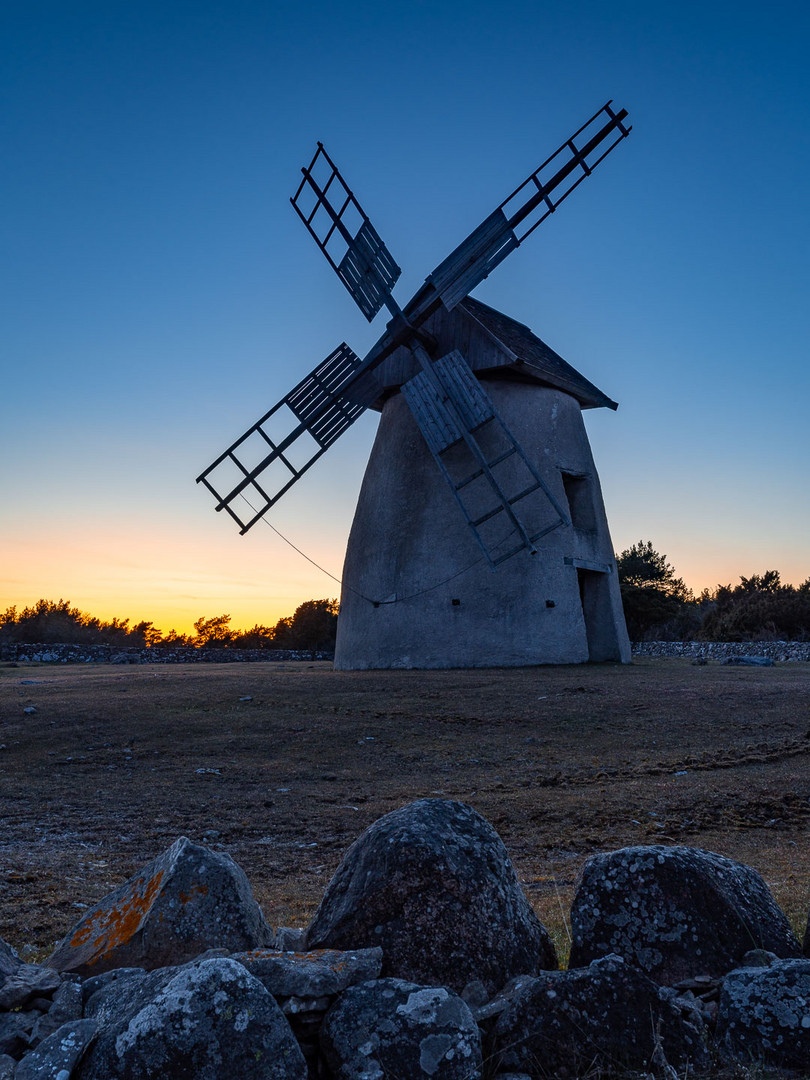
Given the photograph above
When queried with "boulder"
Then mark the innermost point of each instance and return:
(317, 974)
(8, 1066)
(185, 901)
(603, 1019)
(56, 1057)
(29, 981)
(432, 884)
(96, 988)
(393, 1028)
(65, 1008)
(15, 1031)
(764, 1015)
(206, 1020)
(9, 961)
(675, 912)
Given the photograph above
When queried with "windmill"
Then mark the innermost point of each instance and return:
(458, 485)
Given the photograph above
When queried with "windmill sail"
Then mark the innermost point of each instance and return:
(287, 440)
(504, 500)
(345, 235)
(529, 204)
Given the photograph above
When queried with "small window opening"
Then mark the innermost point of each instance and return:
(579, 494)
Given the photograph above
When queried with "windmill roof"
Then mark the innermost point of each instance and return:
(534, 358)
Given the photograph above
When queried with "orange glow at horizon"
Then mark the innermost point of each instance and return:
(169, 581)
(172, 580)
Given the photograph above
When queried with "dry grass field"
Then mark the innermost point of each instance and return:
(283, 765)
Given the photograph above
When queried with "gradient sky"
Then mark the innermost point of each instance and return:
(159, 293)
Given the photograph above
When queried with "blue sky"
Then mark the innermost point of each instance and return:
(159, 293)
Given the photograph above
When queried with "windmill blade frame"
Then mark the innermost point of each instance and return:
(322, 406)
(489, 244)
(365, 265)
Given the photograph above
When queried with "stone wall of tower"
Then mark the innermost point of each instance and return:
(417, 591)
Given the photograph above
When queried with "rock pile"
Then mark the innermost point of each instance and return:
(155, 654)
(424, 960)
(725, 651)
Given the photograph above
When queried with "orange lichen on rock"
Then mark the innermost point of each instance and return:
(108, 928)
(185, 901)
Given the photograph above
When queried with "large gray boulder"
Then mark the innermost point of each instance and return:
(432, 884)
(205, 1020)
(600, 1020)
(393, 1028)
(764, 1015)
(185, 901)
(675, 912)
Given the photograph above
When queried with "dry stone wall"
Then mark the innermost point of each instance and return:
(137, 1005)
(112, 654)
(720, 651)
(701, 651)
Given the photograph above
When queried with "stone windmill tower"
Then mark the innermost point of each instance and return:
(480, 537)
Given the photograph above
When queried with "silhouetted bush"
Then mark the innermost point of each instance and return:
(760, 608)
(312, 626)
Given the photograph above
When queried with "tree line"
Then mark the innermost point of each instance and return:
(311, 626)
(658, 606)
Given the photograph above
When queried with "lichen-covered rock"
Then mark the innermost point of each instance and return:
(321, 973)
(205, 1020)
(8, 1066)
(185, 901)
(56, 1057)
(28, 981)
(392, 1028)
(65, 1007)
(764, 1015)
(432, 884)
(96, 987)
(605, 1018)
(675, 912)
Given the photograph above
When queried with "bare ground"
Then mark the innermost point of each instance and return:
(283, 765)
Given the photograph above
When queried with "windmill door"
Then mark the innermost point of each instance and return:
(597, 611)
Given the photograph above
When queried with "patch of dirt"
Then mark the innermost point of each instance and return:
(284, 765)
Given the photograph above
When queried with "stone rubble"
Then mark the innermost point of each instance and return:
(605, 1015)
(659, 984)
(14, 652)
(394, 1028)
(722, 651)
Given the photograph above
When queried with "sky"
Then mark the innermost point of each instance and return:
(158, 293)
